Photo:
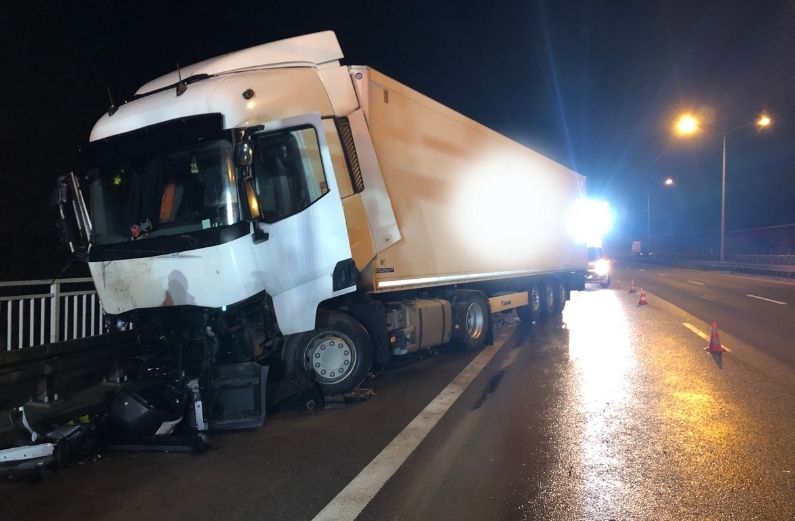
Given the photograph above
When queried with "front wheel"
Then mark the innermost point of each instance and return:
(338, 353)
(606, 283)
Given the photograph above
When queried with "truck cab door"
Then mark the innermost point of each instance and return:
(301, 211)
(74, 222)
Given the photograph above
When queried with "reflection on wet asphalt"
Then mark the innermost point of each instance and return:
(617, 413)
(650, 427)
(602, 367)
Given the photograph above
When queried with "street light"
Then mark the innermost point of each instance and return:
(687, 125)
(667, 182)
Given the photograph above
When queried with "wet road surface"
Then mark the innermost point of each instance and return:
(758, 310)
(619, 415)
(615, 412)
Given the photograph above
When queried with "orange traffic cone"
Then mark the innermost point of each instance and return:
(642, 301)
(714, 341)
(632, 287)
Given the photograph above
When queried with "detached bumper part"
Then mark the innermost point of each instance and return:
(146, 409)
(238, 396)
(26, 452)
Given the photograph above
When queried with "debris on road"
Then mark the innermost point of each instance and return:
(340, 401)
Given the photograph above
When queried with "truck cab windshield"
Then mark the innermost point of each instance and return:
(173, 192)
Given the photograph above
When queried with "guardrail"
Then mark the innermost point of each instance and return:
(49, 311)
(780, 265)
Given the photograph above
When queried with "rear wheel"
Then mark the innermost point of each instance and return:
(548, 299)
(473, 321)
(338, 354)
(560, 295)
(532, 311)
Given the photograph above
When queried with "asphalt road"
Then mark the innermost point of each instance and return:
(758, 310)
(615, 412)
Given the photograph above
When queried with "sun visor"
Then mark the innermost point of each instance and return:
(148, 140)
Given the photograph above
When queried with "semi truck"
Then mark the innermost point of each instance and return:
(273, 208)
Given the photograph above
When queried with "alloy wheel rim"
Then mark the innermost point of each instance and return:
(475, 320)
(330, 356)
(535, 298)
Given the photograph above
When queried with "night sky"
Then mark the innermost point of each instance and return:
(595, 85)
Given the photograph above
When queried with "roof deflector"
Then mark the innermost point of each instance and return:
(315, 49)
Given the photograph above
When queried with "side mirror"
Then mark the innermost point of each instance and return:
(244, 154)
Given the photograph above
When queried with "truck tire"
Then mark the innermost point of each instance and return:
(548, 300)
(472, 321)
(606, 283)
(561, 294)
(532, 311)
(338, 353)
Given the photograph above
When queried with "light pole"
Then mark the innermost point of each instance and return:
(667, 182)
(723, 199)
(688, 125)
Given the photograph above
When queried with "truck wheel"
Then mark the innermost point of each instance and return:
(338, 354)
(473, 321)
(548, 299)
(532, 311)
(560, 296)
(606, 283)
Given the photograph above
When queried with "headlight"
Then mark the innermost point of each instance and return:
(588, 221)
(602, 267)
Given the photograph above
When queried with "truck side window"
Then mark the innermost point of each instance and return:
(288, 172)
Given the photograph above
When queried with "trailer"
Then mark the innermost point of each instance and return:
(273, 208)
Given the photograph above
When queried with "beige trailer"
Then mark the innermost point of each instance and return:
(470, 204)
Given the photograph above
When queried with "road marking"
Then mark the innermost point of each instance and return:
(767, 299)
(353, 499)
(662, 275)
(700, 333)
(696, 282)
(641, 269)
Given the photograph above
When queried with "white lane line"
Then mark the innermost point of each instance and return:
(662, 275)
(700, 333)
(353, 499)
(641, 269)
(767, 299)
(696, 282)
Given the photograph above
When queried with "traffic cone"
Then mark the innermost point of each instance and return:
(642, 301)
(714, 341)
(632, 288)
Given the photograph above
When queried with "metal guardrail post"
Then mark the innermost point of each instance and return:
(55, 312)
